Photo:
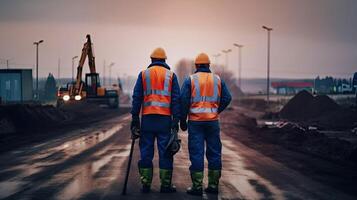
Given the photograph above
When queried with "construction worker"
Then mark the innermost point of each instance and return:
(156, 95)
(204, 95)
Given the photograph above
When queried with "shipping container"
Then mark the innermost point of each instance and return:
(16, 85)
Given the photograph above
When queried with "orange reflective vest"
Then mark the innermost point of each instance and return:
(157, 82)
(205, 96)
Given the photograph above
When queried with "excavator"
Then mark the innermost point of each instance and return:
(89, 90)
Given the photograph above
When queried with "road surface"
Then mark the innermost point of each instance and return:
(89, 163)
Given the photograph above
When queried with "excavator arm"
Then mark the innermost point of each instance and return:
(90, 89)
(87, 50)
(90, 53)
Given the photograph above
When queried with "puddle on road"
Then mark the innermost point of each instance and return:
(94, 175)
(73, 147)
(247, 182)
(47, 157)
(9, 187)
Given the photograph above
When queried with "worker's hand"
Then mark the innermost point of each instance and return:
(183, 125)
(175, 125)
(135, 127)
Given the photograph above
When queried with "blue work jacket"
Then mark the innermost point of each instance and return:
(185, 96)
(154, 122)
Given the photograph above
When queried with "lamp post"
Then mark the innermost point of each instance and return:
(110, 73)
(37, 44)
(239, 46)
(268, 62)
(215, 56)
(73, 58)
(226, 51)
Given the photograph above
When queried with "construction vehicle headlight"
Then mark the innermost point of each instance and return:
(66, 97)
(78, 97)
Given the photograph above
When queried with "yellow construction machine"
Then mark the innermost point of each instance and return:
(89, 90)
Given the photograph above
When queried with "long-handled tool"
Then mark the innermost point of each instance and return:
(129, 162)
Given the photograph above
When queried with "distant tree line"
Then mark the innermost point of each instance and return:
(330, 85)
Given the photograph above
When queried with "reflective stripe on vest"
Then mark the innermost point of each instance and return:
(204, 106)
(157, 83)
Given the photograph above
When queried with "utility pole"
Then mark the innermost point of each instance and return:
(239, 46)
(73, 58)
(37, 44)
(268, 62)
(226, 51)
(110, 73)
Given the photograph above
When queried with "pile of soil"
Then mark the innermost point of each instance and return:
(320, 105)
(22, 125)
(18, 118)
(320, 110)
(293, 136)
(339, 119)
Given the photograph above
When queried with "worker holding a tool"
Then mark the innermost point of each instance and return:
(156, 94)
(204, 95)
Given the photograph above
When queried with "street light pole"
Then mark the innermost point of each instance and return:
(110, 73)
(226, 51)
(73, 67)
(239, 46)
(268, 62)
(37, 44)
(215, 56)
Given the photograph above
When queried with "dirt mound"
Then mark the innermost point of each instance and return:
(294, 137)
(320, 105)
(332, 148)
(320, 111)
(339, 119)
(297, 107)
(29, 117)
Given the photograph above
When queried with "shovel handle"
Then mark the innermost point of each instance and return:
(128, 167)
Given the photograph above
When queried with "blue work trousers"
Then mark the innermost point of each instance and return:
(199, 134)
(155, 128)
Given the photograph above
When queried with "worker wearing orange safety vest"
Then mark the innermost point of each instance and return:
(156, 95)
(203, 96)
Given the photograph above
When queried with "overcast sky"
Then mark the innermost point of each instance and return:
(310, 37)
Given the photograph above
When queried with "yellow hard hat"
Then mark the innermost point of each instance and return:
(202, 58)
(158, 53)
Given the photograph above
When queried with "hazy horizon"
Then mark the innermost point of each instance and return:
(310, 38)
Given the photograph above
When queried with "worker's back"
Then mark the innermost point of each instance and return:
(156, 94)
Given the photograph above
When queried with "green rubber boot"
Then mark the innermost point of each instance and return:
(146, 179)
(165, 178)
(197, 179)
(213, 181)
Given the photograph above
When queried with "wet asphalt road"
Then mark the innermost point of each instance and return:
(89, 163)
